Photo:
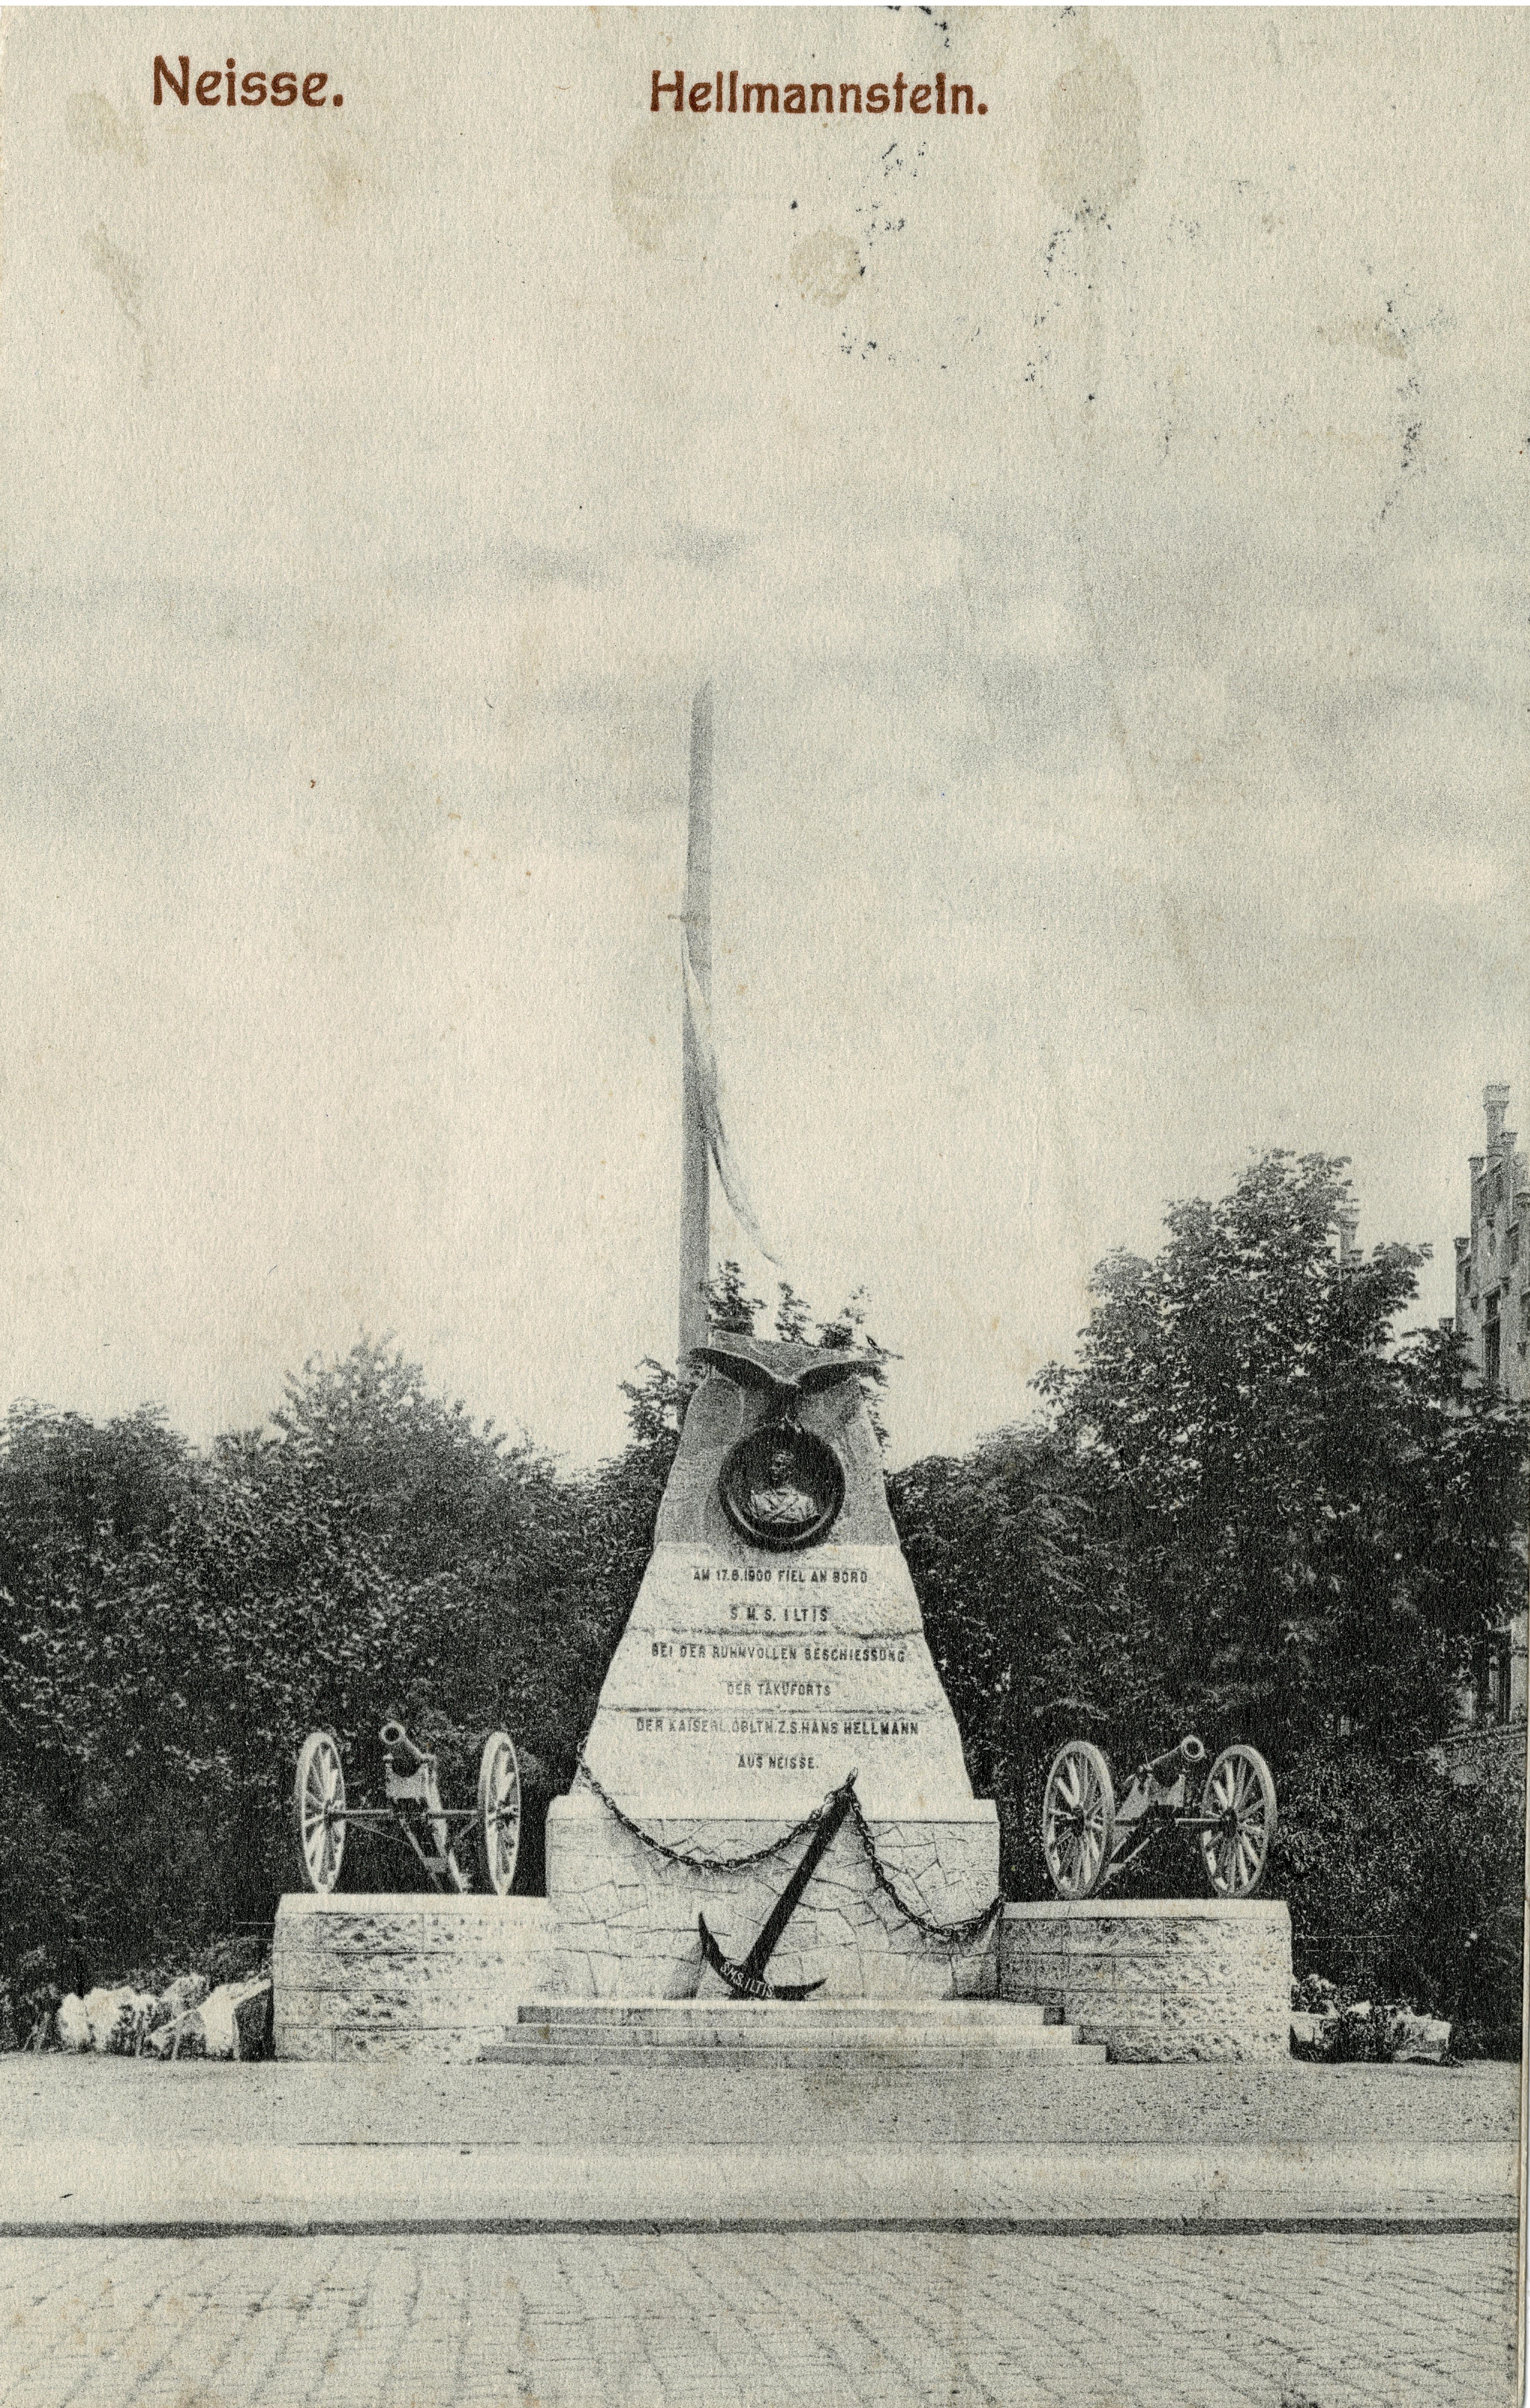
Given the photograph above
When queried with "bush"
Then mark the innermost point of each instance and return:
(1402, 1884)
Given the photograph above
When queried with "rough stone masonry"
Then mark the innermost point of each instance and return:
(749, 1682)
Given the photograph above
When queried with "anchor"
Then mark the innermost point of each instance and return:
(747, 1981)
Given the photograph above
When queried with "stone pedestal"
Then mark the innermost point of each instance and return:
(751, 1679)
(627, 1919)
(775, 1648)
(427, 1976)
(1159, 1981)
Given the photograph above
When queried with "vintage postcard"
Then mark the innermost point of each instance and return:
(766, 1334)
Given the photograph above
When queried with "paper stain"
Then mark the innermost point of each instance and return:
(825, 265)
(123, 279)
(530, 651)
(335, 190)
(652, 179)
(1094, 155)
(1382, 336)
(94, 128)
(123, 275)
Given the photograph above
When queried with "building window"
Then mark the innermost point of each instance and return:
(1490, 1353)
(1491, 1671)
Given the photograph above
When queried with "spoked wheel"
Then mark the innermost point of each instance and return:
(1241, 1792)
(1077, 1819)
(499, 1811)
(318, 1802)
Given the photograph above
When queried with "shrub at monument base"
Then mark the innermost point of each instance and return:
(1404, 1887)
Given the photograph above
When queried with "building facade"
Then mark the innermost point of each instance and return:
(1492, 1288)
(1493, 1322)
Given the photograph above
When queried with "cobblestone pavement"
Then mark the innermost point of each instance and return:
(1283, 2321)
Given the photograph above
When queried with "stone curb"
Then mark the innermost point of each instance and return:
(1037, 2227)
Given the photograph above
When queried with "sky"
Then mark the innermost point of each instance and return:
(1102, 520)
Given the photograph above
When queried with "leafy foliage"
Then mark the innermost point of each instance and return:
(1248, 1514)
(171, 1624)
(1312, 1525)
(1403, 1883)
(1027, 1623)
(1245, 1509)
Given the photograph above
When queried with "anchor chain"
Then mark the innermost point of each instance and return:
(948, 1935)
(698, 1862)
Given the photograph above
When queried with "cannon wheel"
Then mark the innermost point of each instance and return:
(318, 1803)
(1239, 1785)
(1077, 1819)
(499, 1810)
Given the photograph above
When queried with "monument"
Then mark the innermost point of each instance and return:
(775, 1649)
(771, 1847)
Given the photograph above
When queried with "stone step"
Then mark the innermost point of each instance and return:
(887, 2039)
(676, 2016)
(1050, 2044)
(893, 2034)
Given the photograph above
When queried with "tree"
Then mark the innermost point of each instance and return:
(171, 1623)
(727, 1305)
(453, 1509)
(794, 1316)
(1024, 1615)
(1277, 1481)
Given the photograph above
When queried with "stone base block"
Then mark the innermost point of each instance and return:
(626, 1918)
(434, 1977)
(1159, 1981)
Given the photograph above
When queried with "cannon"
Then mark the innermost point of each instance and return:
(413, 1811)
(1088, 1839)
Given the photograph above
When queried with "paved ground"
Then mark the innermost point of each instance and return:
(533, 2309)
(571, 2322)
(44, 2099)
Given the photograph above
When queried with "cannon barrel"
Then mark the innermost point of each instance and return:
(1174, 1760)
(402, 1753)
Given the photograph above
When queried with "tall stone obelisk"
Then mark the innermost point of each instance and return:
(696, 935)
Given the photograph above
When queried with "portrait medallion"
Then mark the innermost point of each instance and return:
(782, 1488)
